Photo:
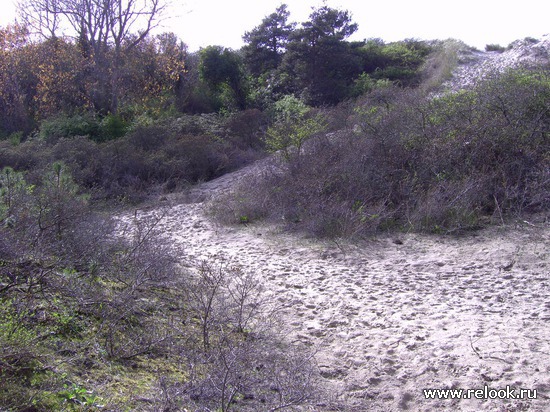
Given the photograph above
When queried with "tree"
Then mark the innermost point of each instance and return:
(221, 69)
(58, 203)
(328, 24)
(16, 80)
(41, 16)
(152, 74)
(60, 73)
(320, 59)
(13, 189)
(103, 28)
(266, 43)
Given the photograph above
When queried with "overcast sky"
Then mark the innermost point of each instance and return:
(200, 23)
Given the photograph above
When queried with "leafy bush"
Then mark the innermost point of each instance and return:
(112, 127)
(289, 134)
(69, 126)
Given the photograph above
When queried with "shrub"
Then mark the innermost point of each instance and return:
(244, 361)
(69, 126)
(495, 48)
(245, 129)
(412, 161)
(163, 156)
(112, 127)
(290, 134)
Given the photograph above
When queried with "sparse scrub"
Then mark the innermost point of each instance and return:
(81, 297)
(440, 64)
(242, 362)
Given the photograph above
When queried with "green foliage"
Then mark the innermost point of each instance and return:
(365, 83)
(58, 201)
(400, 61)
(15, 138)
(61, 126)
(112, 127)
(293, 127)
(221, 69)
(75, 395)
(14, 331)
(321, 63)
(109, 128)
(266, 43)
(289, 107)
(328, 23)
(495, 48)
(13, 190)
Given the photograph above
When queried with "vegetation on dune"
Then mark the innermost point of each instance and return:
(409, 161)
(91, 321)
(109, 112)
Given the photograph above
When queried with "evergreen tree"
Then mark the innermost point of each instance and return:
(266, 43)
(319, 58)
(222, 70)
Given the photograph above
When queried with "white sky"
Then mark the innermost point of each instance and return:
(200, 23)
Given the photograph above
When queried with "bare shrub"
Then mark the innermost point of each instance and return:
(245, 362)
(412, 161)
(246, 129)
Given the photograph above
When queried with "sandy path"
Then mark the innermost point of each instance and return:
(391, 318)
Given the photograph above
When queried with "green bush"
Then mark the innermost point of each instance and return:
(495, 48)
(70, 126)
(112, 127)
(289, 135)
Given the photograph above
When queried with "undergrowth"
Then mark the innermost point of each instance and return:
(96, 315)
(409, 161)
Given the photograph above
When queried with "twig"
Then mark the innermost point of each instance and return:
(499, 211)
(474, 349)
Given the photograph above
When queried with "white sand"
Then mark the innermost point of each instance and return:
(391, 319)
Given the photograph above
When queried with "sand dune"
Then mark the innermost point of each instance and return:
(397, 314)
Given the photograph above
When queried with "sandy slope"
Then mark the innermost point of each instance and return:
(474, 65)
(394, 315)
(398, 314)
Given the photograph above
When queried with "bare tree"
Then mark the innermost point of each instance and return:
(101, 26)
(42, 16)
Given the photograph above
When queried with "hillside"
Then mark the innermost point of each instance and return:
(474, 65)
(393, 315)
(393, 242)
